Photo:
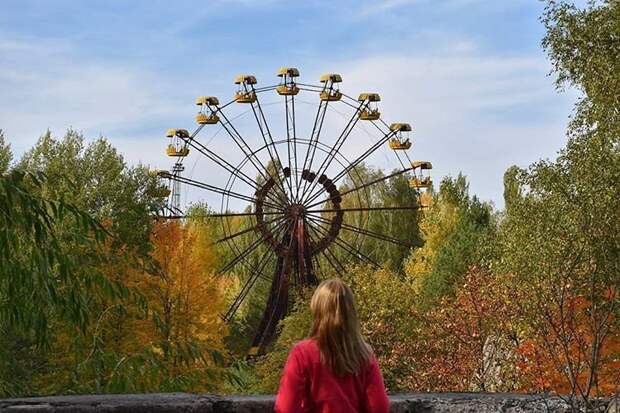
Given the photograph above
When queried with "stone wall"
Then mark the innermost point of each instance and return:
(183, 402)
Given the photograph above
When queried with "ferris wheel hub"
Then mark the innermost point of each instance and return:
(296, 211)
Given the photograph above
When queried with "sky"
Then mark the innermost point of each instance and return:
(469, 75)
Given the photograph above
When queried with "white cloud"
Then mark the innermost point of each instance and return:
(43, 86)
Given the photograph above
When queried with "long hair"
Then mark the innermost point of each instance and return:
(336, 328)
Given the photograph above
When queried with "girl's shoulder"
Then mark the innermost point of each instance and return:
(306, 344)
(307, 347)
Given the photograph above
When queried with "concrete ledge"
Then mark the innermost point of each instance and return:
(184, 402)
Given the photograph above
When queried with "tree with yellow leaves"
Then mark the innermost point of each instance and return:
(185, 302)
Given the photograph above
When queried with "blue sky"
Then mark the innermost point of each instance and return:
(469, 75)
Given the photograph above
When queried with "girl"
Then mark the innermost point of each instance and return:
(333, 370)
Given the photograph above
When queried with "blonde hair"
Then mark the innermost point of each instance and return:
(336, 328)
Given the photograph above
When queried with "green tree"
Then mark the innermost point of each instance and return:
(458, 231)
(95, 177)
(92, 178)
(45, 274)
(5, 154)
(584, 49)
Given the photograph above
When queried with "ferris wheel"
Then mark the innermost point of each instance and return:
(295, 175)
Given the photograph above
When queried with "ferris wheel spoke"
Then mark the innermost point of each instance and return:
(396, 208)
(363, 186)
(263, 127)
(171, 210)
(318, 270)
(247, 150)
(355, 252)
(317, 134)
(314, 138)
(335, 148)
(291, 138)
(400, 160)
(265, 88)
(227, 166)
(294, 121)
(376, 235)
(245, 231)
(356, 162)
(241, 255)
(219, 190)
(329, 253)
(247, 286)
(224, 215)
(365, 155)
(352, 250)
(327, 258)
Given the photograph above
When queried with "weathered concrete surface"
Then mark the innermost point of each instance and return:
(183, 402)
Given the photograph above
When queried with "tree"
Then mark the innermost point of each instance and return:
(457, 230)
(560, 240)
(94, 177)
(467, 341)
(45, 274)
(584, 49)
(560, 234)
(5, 154)
(186, 302)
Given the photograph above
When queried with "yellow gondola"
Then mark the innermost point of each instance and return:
(288, 86)
(245, 79)
(400, 141)
(245, 97)
(204, 119)
(373, 114)
(329, 94)
(370, 97)
(288, 72)
(163, 174)
(245, 94)
(399, 145)
(370, 111)
(172, 150)
(287, 90)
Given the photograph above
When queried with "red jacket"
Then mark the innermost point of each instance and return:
(309, 386)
